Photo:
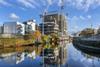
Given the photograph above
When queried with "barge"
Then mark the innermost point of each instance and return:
(91, 44)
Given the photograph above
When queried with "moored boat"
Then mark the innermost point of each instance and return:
(91, 44)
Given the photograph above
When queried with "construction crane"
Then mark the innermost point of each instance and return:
(61, 13)
(42, 17)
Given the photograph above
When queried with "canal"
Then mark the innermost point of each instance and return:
(29, 57)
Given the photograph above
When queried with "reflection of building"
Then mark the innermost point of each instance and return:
(32, 55)
(16, 58)
(29, 26)
(63, 52)
(20, 57)
(56, 22)
(8, 57)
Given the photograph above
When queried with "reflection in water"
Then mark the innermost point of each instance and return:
(92, 59)
(29, 57)
(78, 58)
(21, 56)
(26, 56)
(10, 55)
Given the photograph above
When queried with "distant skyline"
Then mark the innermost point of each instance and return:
(81, 13)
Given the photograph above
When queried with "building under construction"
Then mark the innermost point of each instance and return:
(54, 23)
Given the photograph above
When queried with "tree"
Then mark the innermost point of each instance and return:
(44, 39)
(37, 36)
(87, 32)
(54, 39)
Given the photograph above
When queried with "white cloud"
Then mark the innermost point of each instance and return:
(13, 16)
(23, 8)
(61, 2)
(43, 2)
(83, 4)
(49, 2)
(76, 27)
(4, 2)
(75, 18)
(30, 3)
(89, 16)
(34, 2)
(73, 25)
(26, 3)
(82, 18)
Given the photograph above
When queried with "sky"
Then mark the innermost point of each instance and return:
(81, 13)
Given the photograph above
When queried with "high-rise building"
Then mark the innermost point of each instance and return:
(13, 28)
(56, 20)
(30, 26)
(1, 29)
(9, 28)
(49, 27)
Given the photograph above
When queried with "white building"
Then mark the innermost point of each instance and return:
(9, 28)
(20, 28)
(30, 26)
(13, 28)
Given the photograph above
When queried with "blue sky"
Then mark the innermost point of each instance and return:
(81, 13)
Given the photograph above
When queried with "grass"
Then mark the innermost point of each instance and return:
(27, 40)
(12, 42)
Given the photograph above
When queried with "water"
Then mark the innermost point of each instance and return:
(25, 57)
(77, 58)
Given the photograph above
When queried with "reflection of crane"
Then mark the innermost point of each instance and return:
(93, 63)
